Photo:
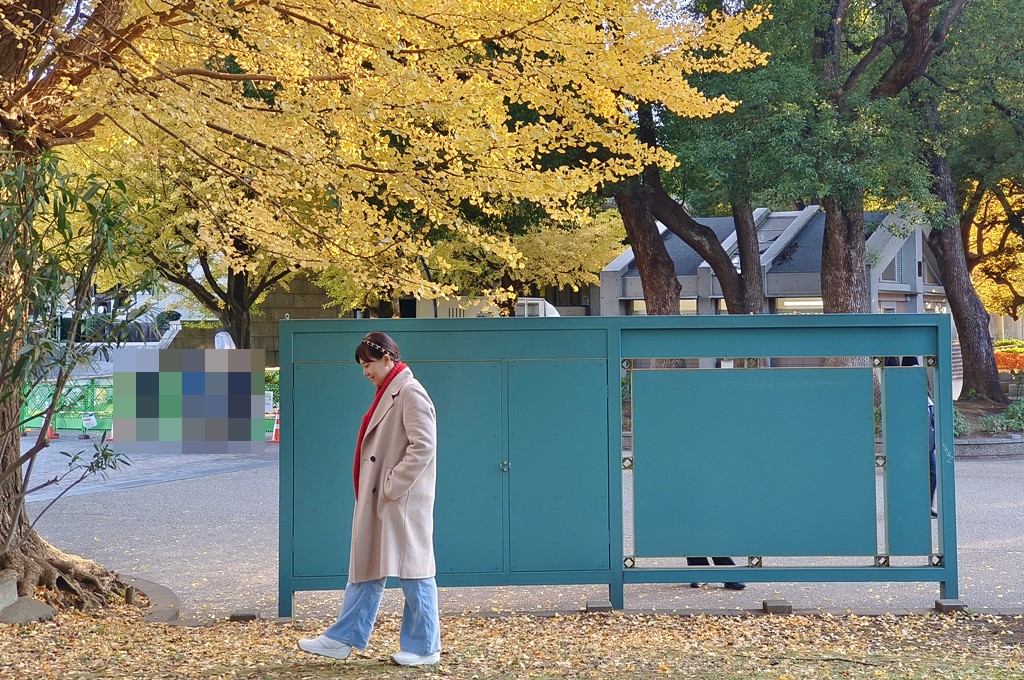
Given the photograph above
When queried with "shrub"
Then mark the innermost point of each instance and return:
(1011, 420)
(994, 424)
(960, 426)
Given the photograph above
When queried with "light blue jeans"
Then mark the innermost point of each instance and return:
(421, 627)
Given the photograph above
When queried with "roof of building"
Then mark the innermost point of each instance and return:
(803, 254)
(683, 256)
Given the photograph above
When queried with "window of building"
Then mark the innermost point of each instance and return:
(687, 307)
(561, 297)
(893, 273)
(799, 306)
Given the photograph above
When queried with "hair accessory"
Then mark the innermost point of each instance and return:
(377, 347)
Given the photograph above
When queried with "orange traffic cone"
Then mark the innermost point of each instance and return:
(275, 438)
(52, 433)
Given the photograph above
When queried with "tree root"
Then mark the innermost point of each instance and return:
(60, 579)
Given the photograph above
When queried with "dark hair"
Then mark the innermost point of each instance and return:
(375, 346)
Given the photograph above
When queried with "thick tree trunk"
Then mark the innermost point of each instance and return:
(981, 376)
(751, 271)
(42, 570)
(657, 272)
(844, 284)
(970, 316)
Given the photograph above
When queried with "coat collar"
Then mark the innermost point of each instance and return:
(387, 400)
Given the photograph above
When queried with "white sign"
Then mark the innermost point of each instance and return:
(88, 420)
(268, 402)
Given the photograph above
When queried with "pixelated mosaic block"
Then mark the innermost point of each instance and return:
(188, 401)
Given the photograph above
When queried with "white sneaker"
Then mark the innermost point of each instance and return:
(410, 659)
(325, 646)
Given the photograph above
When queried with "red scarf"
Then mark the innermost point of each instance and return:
(366, 421)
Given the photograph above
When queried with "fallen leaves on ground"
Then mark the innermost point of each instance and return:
(117, 643)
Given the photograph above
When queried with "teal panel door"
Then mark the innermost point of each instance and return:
(468, 516)
(905, 426)
(754, 462)
(329, 401)
(558, 466)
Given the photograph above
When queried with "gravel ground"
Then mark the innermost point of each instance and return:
(212, 539)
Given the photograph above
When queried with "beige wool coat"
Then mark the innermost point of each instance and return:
(393, 521)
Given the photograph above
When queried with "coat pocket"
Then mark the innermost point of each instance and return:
(387, 485)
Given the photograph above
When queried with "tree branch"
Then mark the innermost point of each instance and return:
(919, 45)
(878, 46)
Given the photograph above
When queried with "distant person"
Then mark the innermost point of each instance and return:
(719, 562)
(393, 521)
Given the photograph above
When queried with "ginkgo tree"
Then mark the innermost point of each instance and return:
(382, 116)
(995, 247)
(173, 213)
(559, 255)
(376, 121)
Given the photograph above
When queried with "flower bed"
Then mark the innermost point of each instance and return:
(1009, 361)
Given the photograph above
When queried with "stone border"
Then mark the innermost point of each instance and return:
(983, 447)
(164, 604)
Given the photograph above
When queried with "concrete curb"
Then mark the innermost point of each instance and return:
(165, 606)
(26, 610)
(994, 447)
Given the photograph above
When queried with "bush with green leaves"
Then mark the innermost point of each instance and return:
(59, 234)
(1010, 420)
(960, 425)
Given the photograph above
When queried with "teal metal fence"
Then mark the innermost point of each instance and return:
(779, 464)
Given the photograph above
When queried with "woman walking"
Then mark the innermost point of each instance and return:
(393, 521)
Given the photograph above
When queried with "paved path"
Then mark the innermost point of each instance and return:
(208, 530)
(149, 469)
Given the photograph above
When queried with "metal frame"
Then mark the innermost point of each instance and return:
(324, 348)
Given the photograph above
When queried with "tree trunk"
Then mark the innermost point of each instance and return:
(741, 296)
(42, 570)
(751, 270)
(981, 376)
(844, 283)
(701, 238)
(657, 272)
(236, 314)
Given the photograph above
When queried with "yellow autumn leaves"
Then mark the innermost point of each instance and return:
(117, 644)
(354, 135)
